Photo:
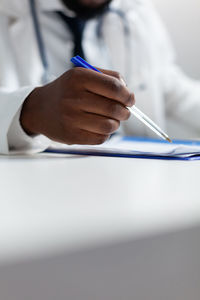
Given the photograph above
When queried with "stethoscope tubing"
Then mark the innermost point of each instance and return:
(40, 40)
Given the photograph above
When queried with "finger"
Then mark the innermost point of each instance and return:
(105, 85)
(114, 74)
(103, 106)
(85, 137)
(96, 123)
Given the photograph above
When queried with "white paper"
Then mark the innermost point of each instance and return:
(135, 147)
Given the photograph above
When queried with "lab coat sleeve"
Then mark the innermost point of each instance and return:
(12, 137)
(182, 98)
(181, 93)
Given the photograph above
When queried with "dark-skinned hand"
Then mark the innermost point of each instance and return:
(80, 107)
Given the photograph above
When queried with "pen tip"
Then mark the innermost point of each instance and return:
(169, 140)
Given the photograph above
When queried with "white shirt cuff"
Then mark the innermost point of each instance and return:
(21, 143)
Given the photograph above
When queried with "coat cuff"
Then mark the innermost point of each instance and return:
(20, 142)
(13, 138)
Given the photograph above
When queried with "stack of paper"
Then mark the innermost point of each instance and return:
(135, 147)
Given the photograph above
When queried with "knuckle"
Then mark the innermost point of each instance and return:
(75, 74)
(118, 112)
(130, 101)
(117, 75)
(101, 138)
(115, 85)
(72, 73)
(127, 101)
(120, 78)
(109, 126)
(113, 110)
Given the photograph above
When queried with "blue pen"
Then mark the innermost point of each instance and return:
(80, 62)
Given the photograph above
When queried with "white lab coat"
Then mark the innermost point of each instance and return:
(144, 56)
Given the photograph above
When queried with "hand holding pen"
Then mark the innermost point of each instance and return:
(79, 107)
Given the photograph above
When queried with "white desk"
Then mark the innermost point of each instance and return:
(64, 205)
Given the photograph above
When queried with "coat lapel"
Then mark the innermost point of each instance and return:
(21, 42)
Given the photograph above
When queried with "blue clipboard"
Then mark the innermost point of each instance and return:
(140, 156)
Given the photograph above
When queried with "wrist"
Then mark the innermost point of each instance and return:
(30, 113)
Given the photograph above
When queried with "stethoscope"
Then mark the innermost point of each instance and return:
(40, 41)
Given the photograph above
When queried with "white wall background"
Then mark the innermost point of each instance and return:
(182, 18)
